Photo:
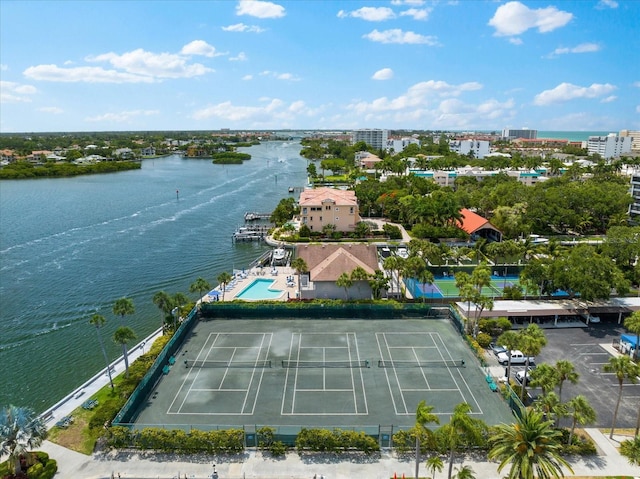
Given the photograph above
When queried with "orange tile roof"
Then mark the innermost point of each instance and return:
(471, 222)
(313, 197)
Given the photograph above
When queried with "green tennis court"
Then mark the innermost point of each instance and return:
(446, 287)
(318, 373)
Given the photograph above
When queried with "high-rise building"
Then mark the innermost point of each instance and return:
(610, 146)
(635, 139)
(480, 148)
(525, 133)
(373, 137)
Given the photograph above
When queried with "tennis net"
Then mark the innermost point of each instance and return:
(325, 364)
(421, 364)
(266, 363)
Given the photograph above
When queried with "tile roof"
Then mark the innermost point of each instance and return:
(472, 222)
(318, 195)
(327, 262)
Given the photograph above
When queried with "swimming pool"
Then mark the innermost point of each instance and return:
(260, 289)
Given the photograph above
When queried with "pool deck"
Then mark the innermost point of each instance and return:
(242, 280)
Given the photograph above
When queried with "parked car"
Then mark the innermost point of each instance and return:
(523, 376)
(517, 357)
(497, 349)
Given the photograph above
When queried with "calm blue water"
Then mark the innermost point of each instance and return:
(70, 247)
(260, 289)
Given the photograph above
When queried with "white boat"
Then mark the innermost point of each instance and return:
(402, 253)
(278, 255)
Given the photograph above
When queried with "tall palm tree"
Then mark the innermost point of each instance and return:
(465, 472)
(425, 277)
(544, 376)
(357, 276)
(566, 372)
(549, 405)
(123, 336)
(224, 278)
(20, 430)
(344, 281)
(511, 341)
(178, 300)
(531, 446)
(581, 412)
(163, 301)
(624, 368)
(123, 307)
(200, 285)
(434, 463)
(460, 426)
(299, 265)
(532, 342)
(98, 321)
(424, 416)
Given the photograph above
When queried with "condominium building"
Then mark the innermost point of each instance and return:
(610, 146)
(635, 139)
(396, 145)
(320, 207)
(373, 137)
(634, 208)
(479, 148)
(510, 134)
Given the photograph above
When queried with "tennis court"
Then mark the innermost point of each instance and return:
(445, 287)
(318, 373)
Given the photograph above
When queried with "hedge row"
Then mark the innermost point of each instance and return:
(335, 441)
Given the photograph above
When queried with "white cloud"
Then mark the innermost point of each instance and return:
(607, 4)
(51, 109)
(609, 99)
(370, 14)
(83, 74)
(398, 36)
(567, 91)
(12, 92)
(416, 13)
(260, 9)
(240, 57)
(384, 74)
(157, 65)
(247, 77)
(515, 41)
(273, 109)
(514, 18)
(280, 76)
(199, 47)
(241, 27)
(417, 3)
(4, 67)
(121, 117)
(582, 48)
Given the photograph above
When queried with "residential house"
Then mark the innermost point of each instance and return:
(320, 207)
(477, 226)
(326, 262)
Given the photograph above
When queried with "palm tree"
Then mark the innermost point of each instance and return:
(566, 372)
(224, 278)
(550, 406)
(531, 446)
(98, 321)
(465, 472)
(461, 425)
(544, 376)
(434, 463)
(123, 307)
(424, 416)
(358, 275)
(300, 266)
(511, 341)
(344, 281)
(425, 277)
(378, 282)
(163, 301)
(533, 340)
(581, 412)
(20, 430)
(631, 450)
(123, 336)
(178, 300)
(624, 368)
(200, 285)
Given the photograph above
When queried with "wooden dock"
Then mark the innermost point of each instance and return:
(251, 233)
(253, 216)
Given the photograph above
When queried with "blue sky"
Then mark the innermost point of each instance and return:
(414, 64)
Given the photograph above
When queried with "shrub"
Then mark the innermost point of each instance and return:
(278, 448)
(483, 339)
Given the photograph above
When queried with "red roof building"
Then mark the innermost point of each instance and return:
(477, 226)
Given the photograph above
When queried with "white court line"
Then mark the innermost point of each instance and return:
(395, 372)
(286, 377)
(364, 393)
(422, 372)
(353, 382)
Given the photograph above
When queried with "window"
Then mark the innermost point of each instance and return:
(351, 210)
(321, 218)
(337, 209)
(304, 210)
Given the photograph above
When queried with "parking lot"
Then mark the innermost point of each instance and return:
(584, 348)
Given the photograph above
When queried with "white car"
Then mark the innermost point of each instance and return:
(523, 376)
(402, 253)
(517, 357)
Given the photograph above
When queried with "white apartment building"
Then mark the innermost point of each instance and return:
(634, 208)
(373, 137)
(635, 139)
(480, 148)
(399, 144)
(610, 146)
(510, 133)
